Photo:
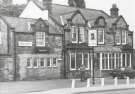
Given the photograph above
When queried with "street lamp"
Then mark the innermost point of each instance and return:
(66, 29)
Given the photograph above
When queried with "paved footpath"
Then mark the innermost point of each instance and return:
(32, 86)
(36, 86)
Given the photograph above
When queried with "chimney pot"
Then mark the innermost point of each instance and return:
(114, 11)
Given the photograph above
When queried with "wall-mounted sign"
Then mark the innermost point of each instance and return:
(24, 43)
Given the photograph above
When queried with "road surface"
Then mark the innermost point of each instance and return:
(130, 91)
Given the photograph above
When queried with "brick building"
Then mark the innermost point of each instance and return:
(54, 40)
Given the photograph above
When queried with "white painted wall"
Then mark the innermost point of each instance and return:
(33, 11)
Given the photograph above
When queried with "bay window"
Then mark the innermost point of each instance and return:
(40, 38)
(111, 61)
(77, 59)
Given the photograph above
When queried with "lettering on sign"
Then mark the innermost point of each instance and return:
(23, 43)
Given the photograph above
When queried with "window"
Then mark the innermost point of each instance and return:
(100, 36)
(124, 34)
(28, 61)
(54, 62)
(77, 59)
(128, 60)
(81, 34)
(35, 63)
(72, 61)
(86, 60)
(48, 62)
(115, 60)
(118, 37)
(29, 26)
(78, 34)
(42, 63)
(92, 36)
(108, 61)
(74, 35)
(111, 61)
(40, 38)
(118, 60)
(124, 60)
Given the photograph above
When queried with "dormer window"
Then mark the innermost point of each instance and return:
(121, 37)
(40, 39)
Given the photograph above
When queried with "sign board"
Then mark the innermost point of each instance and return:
(92, 38)
(23, 43)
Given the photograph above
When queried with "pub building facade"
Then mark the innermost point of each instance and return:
(54, 43)
(101, 44)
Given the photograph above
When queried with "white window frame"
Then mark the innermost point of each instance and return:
(99, 31)
(31, 64)
(53, 62)
(70, 61)
(108, 67)
(43, 40)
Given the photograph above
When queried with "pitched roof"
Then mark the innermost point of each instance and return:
(19, 24)
(22, 24)
(59, 10)
(89, 14)
(110, 21)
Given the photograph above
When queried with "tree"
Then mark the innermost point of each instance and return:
(77, 3)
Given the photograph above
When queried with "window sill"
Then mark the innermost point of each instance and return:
(106, 69)
(29, 67)
(101, 43)
(35, 67)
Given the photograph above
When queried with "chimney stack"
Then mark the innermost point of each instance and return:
(114, 11)
(47, 5)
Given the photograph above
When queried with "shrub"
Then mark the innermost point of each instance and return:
(122, 73)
